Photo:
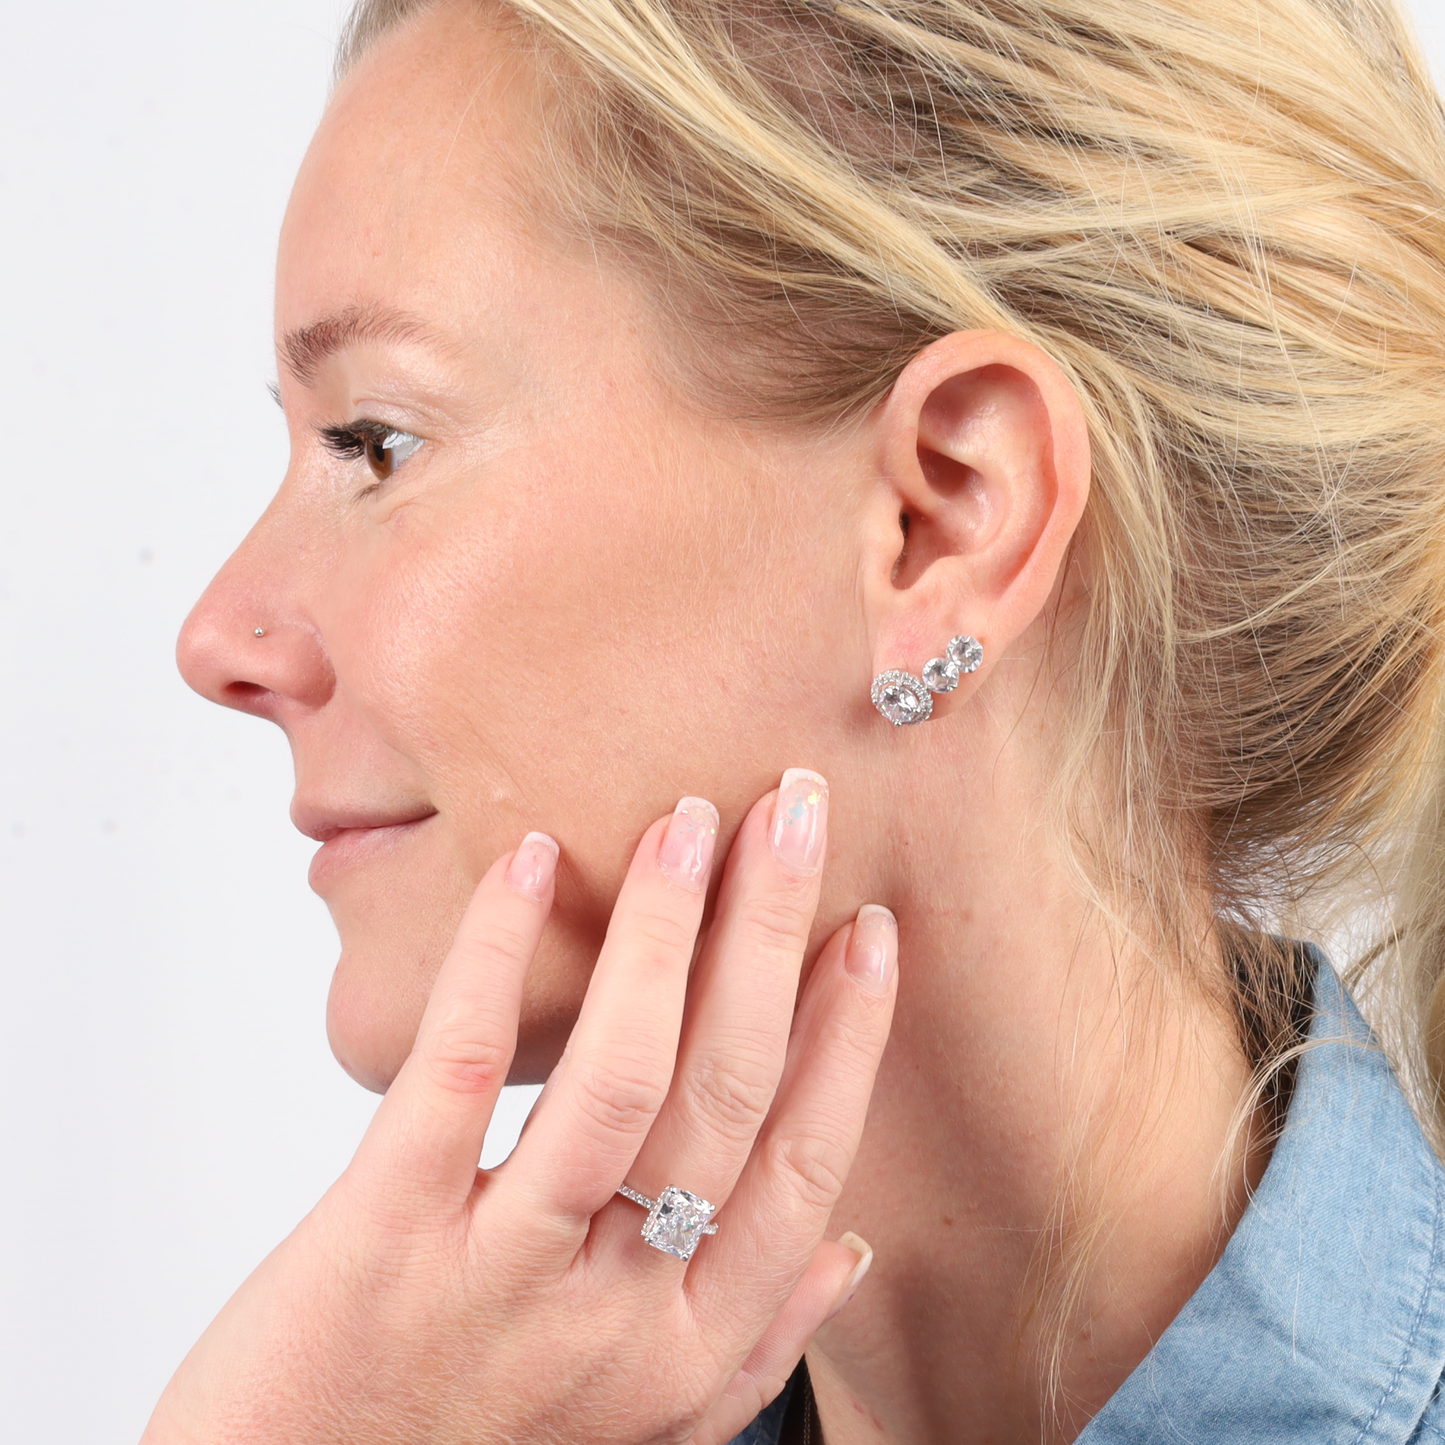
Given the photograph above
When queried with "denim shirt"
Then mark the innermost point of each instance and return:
(1324, 1320)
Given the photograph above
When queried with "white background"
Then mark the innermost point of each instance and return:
(169, 1106)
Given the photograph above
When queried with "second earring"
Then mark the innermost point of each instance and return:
(903, 699)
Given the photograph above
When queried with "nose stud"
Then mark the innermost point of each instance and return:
(259, 632)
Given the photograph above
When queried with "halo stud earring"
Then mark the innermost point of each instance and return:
(904, 699)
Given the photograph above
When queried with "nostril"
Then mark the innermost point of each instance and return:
(244, 695)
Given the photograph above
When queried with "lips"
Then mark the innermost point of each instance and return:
(351, 839)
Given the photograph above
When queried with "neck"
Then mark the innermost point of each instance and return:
(1051, 1164)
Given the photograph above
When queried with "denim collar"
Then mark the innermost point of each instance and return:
(1324, 1319)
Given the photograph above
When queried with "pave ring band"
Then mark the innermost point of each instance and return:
(676, 1220)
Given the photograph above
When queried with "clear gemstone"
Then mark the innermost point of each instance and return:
(901, 698)
(676, 1221)
(940, 674)
(967, 652)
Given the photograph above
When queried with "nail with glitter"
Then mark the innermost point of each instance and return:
(686, 852)
(800, 820)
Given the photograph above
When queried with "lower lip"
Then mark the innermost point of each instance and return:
(357, 847)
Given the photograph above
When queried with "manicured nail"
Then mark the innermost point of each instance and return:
(686, 852)
(800, 819)
(873, 948)
(533, 865)
(864, 1251)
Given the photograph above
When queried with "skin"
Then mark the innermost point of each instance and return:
(586, 595)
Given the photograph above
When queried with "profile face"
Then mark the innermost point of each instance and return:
(513, 577)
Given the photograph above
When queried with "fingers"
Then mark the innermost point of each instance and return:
(829, 1282)
(780, 1208)
(740, 1000)
(613, 1079)
(427, 1135)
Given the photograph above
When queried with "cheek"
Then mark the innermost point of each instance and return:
(535, 643)
(423, 622)
(571, 651)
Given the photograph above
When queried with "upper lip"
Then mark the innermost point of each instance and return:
(323, 823)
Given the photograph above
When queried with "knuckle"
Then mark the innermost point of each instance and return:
(813, 1169)
(777, 922)
(461, 1057)
(501, 943)
(857, 1035)
(731, 1095)
(663, 936)
(616, 1101)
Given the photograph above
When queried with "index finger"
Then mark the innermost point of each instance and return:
(426, 1138)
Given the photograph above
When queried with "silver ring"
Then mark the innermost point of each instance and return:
(676, 1220)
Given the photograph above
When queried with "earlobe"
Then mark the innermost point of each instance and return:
(982, 476)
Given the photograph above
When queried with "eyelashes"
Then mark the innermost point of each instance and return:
(350, 442)
(383, 448)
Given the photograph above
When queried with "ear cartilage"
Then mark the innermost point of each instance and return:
(904, 699)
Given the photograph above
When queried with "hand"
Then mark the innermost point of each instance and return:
(427, 1300)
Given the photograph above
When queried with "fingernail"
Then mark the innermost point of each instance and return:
(686, 852)
(800, 819)
(873, 948)
(864, 1251)
(533, 865)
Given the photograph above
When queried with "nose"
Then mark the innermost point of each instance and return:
(250, 642)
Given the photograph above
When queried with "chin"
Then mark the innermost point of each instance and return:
(377, 1000)
(395, 917)
(370, 1024)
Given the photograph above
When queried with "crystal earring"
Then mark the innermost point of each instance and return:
(904, 699)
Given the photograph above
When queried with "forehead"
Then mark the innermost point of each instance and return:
(410, 196)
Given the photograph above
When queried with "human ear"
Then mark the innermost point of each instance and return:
(980, 478)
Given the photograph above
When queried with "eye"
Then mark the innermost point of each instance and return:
(383, 447)
(385, 454)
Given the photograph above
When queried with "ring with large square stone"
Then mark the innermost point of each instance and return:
(676, 1220)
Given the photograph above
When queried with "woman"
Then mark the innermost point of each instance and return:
(1026, 418)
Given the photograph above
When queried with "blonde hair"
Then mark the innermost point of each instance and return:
(1223, 219)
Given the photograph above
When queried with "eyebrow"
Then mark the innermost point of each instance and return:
(304, 349)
